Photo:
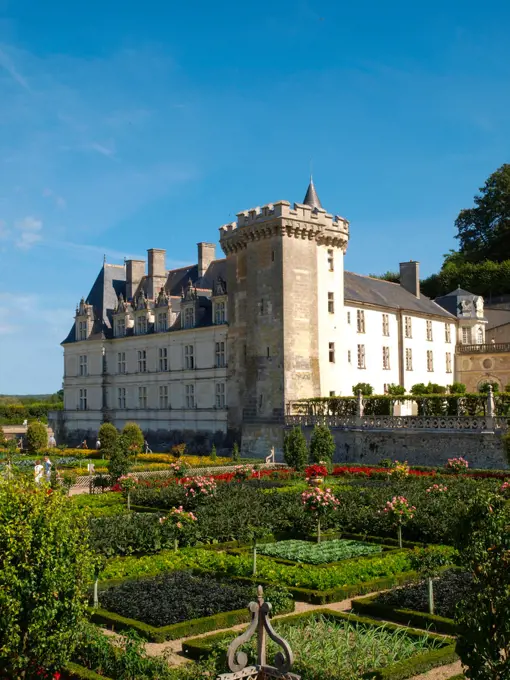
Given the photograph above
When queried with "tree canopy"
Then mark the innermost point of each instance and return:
(483, 232)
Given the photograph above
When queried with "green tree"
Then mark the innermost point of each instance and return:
(483, 624)
(428, 562)
(3, 440)
(120, 460)
(457, 388)
(484, 387)
(365, 388)
(213, 455)
(396, 390)
(45, 565)
(108, 435)
(322, 445)
(295, 449)
(133, 437)
(37, 437)
(484, 231)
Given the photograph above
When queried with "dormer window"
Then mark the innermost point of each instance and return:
(141, 325)
(120, 328)
(162, 322)
(189, 317)
(82, 330)
(219, 313)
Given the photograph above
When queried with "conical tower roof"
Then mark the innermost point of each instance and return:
(311, 198)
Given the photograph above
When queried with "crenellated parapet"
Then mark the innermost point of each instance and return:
(300, 221)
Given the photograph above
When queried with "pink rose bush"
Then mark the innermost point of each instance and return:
(182, 523)
(437, 488)
(200, 487)
(399, 511)
(457, 464)
(320, 502)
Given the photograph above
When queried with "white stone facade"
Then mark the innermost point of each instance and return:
(209, 347)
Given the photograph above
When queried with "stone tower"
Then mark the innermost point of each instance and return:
(281, 263)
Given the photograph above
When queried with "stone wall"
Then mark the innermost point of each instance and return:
(482, 450)
(474, 369)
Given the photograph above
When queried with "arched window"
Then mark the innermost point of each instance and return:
(479, 335)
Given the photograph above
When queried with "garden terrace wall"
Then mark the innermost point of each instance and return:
(199, 648)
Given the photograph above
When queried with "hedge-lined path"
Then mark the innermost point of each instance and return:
(441, 672)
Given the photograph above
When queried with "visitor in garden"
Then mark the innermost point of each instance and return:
(38, 472)
(146, 445)
(47, 469)
(52, 442)
(98, 444)
(83, 445)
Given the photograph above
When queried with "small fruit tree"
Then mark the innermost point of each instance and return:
(120, 459)
(320, 503)
(428, 562)
(482, 621)
(322, 445)
(399, 511)
(183, 524)
(127, 483)
(295, 449)
(45, 567)
(108, 435)
(133, 438)
(37, 437)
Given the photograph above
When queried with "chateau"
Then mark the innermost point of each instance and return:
(223, 346)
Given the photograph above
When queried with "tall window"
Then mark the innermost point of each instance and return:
(349, 356)
(189, 356)
(121, 362)
(219, 313)
(331, 303)
(348, 317)
(331, 260)
(429, 330)
(430, 361)
(163, 359)
(332, 352)
(447, 333)
(141, 325)
(190, 396)
(479, 336)
(466, 336)
(448, 362)
(142, 361)
(189, 317)
(83, 400)
(142, 397)
(361, 356)
(162, 321)
(83, 364)
(220, 395)
(385, 324)
(386, 358)
(360, 320)
(408, 329)
(121, 328)
(409, 359)
(82, 330)
(220, 354)
(163, 396)
(121, 397)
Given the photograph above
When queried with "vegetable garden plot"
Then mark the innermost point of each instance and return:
(318, 553)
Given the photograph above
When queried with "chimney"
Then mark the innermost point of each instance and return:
(410, 277)
(157, 272)
(135, 269)
(206, 255)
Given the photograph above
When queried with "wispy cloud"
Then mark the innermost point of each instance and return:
(102, 149)
(59, 201)
(29, 229)
(8, 65)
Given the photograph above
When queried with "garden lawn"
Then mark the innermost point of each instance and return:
(449, 588)
(302, 576)
(318, 553)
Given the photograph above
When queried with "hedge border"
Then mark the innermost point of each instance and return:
(368, 606)
(173, 631)
(74, 671)
(199, 648)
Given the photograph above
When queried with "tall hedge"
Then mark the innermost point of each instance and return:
(108, 435)
(133, 437)
(295, 449)
(37, 437)
(322, 445)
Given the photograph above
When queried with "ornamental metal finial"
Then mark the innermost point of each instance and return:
(238, 660)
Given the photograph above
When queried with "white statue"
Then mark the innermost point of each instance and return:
(479, 306)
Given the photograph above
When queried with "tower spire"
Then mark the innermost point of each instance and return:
(311, 198)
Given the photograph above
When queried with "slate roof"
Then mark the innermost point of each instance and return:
(452, 302)
(312, 199)
(364, 289)
(496, 317)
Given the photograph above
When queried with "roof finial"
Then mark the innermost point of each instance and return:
(311, 198)
(104, 258)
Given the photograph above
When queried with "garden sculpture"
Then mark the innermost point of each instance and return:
(238, 661)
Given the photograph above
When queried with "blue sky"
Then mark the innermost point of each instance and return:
(129, 125)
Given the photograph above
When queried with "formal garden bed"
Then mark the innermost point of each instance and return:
(409, 604)
(180, 603)
(326, 552)
(330, 645)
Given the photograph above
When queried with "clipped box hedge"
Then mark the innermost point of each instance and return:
(73, 671)
(368, 606)
(200, 648)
